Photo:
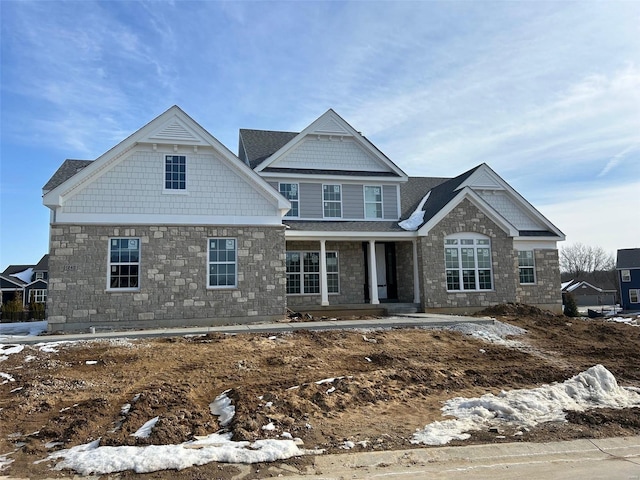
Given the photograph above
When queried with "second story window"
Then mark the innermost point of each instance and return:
(626, 275)
(372, 202)
(332, 201)
(175, 172)
(290, 192)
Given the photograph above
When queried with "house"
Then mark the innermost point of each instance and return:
(30, 281)
(171, 228)
(628, 268)
(587, 294)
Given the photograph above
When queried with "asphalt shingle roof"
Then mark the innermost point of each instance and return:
(255, 146)
(628, 258)
(67, 170)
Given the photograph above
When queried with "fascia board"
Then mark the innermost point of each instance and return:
(347, 235)
(366, 144)
(537, 243)
(11, 280)
(475, 199)
(486, 169)
(301, 177)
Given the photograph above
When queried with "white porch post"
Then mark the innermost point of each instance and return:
(324, 291)
(416, 275)
(373, 274)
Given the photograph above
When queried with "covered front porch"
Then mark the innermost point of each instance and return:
(353, 272)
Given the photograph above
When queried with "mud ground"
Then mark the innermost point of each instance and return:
(393, 382)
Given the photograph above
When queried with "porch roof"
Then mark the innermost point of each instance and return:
(344, 226)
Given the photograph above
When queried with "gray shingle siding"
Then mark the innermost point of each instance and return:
(352, 201)
(390, 202)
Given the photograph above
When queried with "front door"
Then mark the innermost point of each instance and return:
(381, 270)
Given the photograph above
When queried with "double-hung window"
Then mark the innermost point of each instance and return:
(223, 263)
(372, 201)
(290, 192)
(467, 263)
(634, 295)
(303, 272)
(526, 267)
(626, 275)
(175, 173)
(332, 201)
(124, 264)
(38, 295)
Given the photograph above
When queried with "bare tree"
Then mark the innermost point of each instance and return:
(579, 259)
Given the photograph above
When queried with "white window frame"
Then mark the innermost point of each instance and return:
(295, 202)
(466, 241)
(115, 264)
(636, 292)
(529, 255)
(325, 201)
(625, 275)
(368, 202)
(171, 189)
(301, 274)
(211, 263)
(38, 295)
(39, 276)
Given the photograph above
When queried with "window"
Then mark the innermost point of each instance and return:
(526, 267)
(303, 273)
(222, 263)
(38, 295)
(332, 201)
(372, 202)
(626, 275)
(634, 293)
(468, 263)
(124, 263)
(175, 172)
(39, 275)
(290, 192)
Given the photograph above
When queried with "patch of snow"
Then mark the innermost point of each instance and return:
(269, 427)
(93, 459)
(9, 349)
(286, 435)
(628, 320)
(223, 409)
(7, 378)
(16, 390)
(91, 362)
(24, 275)
(145, 430)
(5, 461)
(331, 390)
(124, 409)
(348, 445)
(495, 333)
(414, 221)
(23, 329)
(593, 388)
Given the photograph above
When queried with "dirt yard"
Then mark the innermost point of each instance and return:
(394, 382)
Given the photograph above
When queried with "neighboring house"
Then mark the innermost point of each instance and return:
(28, 280)
(170, 228)
(628, 268)
(586, 294)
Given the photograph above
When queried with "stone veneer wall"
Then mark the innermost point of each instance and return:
(350, 266)
(545, 293)
(404, 271)
(173, 277)
(466, 218)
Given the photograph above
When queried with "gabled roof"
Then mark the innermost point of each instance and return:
(11, 283)
(255, 146)
(13, 269)
(333, 125)
(628, 258)
(445, 196)
(172, 127)
(576, 285)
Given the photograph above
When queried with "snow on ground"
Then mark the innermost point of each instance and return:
(145, 430)
(223, 408)
(634, 322)
(495, 333)
(7, 330)
(593, 388)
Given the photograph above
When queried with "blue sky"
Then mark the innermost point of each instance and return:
(546, 93)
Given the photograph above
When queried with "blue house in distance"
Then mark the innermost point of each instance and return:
(628, 267)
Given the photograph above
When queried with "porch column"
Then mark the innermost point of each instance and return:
(373, 274)
(324, 291)
(416, 275)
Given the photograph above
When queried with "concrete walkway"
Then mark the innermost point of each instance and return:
(412, 320)
(608, 458)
